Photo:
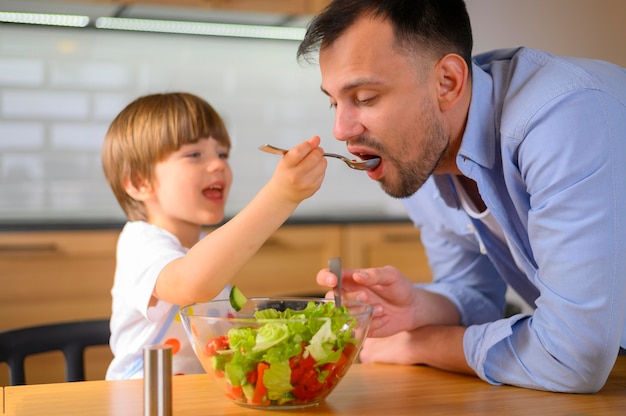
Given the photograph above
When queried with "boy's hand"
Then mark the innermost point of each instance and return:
(300, 172)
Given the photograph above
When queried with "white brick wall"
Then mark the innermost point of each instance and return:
(21, 136)
(21, 72)
(60, 89)
(18, 103)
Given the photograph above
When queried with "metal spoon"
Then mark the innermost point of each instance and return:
(360, 165)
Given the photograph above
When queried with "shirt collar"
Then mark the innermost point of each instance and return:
(479, 138)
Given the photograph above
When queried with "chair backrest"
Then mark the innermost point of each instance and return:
(69, 337)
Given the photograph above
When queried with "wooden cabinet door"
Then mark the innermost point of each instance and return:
(55, 276)
(51, 277)
(392, 244)
(289, 261)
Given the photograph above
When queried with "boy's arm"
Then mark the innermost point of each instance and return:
(211, 263)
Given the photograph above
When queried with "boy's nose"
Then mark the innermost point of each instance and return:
(216, 164)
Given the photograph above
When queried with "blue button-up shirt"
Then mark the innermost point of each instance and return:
(546, 143)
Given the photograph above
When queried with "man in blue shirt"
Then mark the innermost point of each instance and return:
(512, 164)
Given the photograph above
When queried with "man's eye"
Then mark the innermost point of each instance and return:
(365, 100)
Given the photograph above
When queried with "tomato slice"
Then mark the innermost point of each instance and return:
(214, 345)
(260, 391)
(235, 393)
(252, 376)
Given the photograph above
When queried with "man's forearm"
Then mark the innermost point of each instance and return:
(441, 347)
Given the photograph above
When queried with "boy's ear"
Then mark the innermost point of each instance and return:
(137, 187)
(452, 73)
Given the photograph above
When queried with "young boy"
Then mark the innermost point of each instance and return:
(165, 157)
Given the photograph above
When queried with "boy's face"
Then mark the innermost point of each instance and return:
(190, 186)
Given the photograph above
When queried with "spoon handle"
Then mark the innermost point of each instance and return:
(268, 148)
(334, 265)
(358, 165)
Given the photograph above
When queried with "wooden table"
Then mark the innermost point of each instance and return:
(368, 389)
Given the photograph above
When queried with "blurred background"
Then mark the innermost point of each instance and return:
(60, 87)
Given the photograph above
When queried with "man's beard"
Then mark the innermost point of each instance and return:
(413, 174)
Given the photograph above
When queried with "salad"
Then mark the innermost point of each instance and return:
(290, 357)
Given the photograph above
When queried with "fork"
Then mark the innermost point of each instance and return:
(358, 165)
(334, 265)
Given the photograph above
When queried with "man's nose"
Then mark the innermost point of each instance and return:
(347, 125)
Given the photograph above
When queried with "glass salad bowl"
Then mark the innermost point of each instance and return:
(277, 353)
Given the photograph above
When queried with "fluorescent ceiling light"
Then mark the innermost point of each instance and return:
(45, 19)
(200, 28)
(160, 26)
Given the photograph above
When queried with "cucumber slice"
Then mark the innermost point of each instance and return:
(237, 298)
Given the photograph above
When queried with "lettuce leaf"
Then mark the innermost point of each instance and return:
(277, 380)
(322, 343)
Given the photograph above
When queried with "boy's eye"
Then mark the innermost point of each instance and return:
(194, 155)
(223, 155)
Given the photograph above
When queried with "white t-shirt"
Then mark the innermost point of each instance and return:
(142, 251)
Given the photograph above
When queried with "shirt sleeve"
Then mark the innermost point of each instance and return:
(143, 251)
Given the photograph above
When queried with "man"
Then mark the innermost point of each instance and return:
(512, 164)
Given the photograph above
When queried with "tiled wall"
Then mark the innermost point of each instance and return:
(60, 88)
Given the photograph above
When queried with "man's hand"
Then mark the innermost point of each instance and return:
(395, 349)
(398, 304)
(391, 293)
(436, 346)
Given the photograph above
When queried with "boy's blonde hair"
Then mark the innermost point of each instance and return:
(146, 132)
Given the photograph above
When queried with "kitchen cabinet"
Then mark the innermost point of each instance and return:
(288, 262)
(287, 7)
(394, 244)
(50, 276)
(56, 276)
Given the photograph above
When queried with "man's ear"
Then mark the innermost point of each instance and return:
(452, 74)
(137, 187)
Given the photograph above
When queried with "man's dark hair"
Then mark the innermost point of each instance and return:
(439, 26)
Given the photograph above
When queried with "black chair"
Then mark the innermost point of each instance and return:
(69, 337)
